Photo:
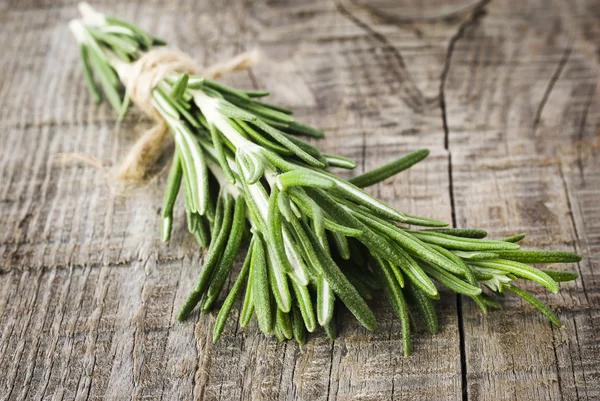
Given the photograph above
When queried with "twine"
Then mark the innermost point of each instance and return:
(148, 71)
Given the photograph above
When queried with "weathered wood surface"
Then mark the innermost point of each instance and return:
(505, 95)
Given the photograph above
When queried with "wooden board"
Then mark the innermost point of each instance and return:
(504, 93)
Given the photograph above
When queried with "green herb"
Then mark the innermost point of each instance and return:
(315, 239)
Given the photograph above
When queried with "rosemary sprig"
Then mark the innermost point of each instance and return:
(315, 240)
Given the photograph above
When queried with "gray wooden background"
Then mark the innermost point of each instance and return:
(503, 92)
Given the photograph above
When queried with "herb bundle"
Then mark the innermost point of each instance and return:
(314, 240)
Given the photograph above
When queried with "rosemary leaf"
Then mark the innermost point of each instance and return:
(87, 74)
(230, 299)
(540, 256)
(211, 260)
(535, 302)
(381, 173)
(425, 305)
(298, 327)
(514, 238)
(231, 249)
(260, 287)
(461, 232)
(171, 191)
(325, 301)
(394, 295)
(342, 287)
(561, 276)
(521, 270)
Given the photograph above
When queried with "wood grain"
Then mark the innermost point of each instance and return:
(522, 116)
(504, 93)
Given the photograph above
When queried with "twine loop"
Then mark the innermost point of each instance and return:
(146, 73)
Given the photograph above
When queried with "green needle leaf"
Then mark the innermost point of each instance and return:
(451, 281)
(297, 128)
(341, 244)
(248, 304)
(304, 179)
(339, 161)
(560, 276)
(233, 293)
(119, 44)
(397, 273)
(211, 260)
(191, 216)
(535, 302)
(171, 191)
(202, 233)
(305, 305)
(298, 327)
(376, 243)
(310, 208)
(261, 140)
(410, 244)
(381, 173)
(266, 112)
(144, 38)
(476, 255)
(394, 295)
(275, 233)
(521, 270)
(231, 249)
(325, 301)
(460, 243)
(460, 232)
(260, 287)
(514, 238)
(279, 283)
(341, 286)
(180, 87)
(331, 330)
(342, 230)
(278, 333)
(107, 78)
(425, 305)
(225, 89)
(539, 256)
(284, 323)
(488, 301)
(356, 280)
(257, 93)
(285, 141)
(283, 203)
(221, 156)
(87, 74)
(305, 246)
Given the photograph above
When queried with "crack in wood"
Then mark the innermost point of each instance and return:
(553, 79)
(415, 99)
(582, 124)
(475, 16)
(477, 13)
(383, 17)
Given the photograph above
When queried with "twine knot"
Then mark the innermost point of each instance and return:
(145, 74)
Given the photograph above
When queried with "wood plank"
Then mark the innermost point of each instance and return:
(522, 112)
(88, 292)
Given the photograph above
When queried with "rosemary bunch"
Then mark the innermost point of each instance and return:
(313, 239)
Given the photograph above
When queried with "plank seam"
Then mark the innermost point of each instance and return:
(474, 17)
